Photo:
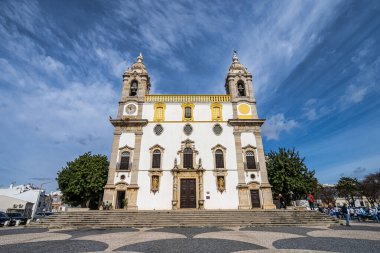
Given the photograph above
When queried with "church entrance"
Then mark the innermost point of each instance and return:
(255, 198)
(120, 200)
(188, 197)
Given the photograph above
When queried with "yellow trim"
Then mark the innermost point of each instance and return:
(157, 115)
(245, 117)
(201, 121)
(188, 98)
(244, 108)
(184, 105)
(216, 111)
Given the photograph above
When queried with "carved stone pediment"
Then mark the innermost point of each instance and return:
(126, 147)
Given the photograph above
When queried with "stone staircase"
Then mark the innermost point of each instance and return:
(182, 218)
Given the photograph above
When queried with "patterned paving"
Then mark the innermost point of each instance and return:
(360, 237)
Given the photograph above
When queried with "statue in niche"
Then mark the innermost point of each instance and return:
(155, 183)
(221, 184)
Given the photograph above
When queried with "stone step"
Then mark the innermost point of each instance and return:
(188, 218)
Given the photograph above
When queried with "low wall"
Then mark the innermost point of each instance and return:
(77, 209)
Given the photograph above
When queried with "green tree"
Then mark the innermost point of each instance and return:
(371, 187)
(328, 194)
(81, 181)
(349, 188)
(288, 172)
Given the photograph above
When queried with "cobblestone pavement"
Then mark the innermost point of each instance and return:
(360, 237)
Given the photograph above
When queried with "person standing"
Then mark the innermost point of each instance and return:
(346, 213)
(310, 199)
(281, 200)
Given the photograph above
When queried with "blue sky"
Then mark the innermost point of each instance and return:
(316, 68)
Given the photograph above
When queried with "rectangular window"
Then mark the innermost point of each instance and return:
(156, 163)
(188, 112)
(124, 163)
(219, 160)
(251, 164)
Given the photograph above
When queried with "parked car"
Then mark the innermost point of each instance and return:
(43, 215)
(5, 220)
(17, 217)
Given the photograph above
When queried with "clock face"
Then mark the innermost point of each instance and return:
(130, 109)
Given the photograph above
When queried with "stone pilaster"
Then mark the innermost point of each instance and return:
(175, 187)
(110, 186)
(133, 187)
(242, 186)
(201, 191)
(266, 188)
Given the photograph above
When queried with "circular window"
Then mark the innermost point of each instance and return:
(188, 129)
(158, 129)
(253, 176)
(217, 129)
(122, 177)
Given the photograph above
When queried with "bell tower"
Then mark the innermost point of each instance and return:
(136, 84)
(246, 124)
(239, 86)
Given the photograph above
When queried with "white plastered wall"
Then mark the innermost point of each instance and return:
(129, 140)
(204, 139)
(249, 139)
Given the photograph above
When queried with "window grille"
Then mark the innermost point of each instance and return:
(219, 159)
(217, 129)
(250, 159)
(124, 161)
(156, 161)
(158, 129)
(188, 129)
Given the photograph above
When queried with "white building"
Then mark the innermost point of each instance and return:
(27, 193)
(187, 151)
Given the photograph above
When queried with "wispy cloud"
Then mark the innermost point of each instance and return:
(278, 124)
(282, 38)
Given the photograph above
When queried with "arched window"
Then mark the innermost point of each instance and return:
(156, 160)
(188, 158)
(219, 159)
(241, 89)
(188, 112)
(133, 91)
(250, 159)
(124, 161)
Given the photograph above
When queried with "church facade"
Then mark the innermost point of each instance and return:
(187, 151)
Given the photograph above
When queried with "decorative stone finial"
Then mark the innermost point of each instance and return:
(140, 58)
(235, 57)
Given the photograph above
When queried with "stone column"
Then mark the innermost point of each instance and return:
(133, 187)
(266, 188)
(242, 187)
(110, 186)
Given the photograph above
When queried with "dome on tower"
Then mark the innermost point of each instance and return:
(138, 66)
(236, 66)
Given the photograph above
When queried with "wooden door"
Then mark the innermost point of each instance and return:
(188, 193)
(255, 198)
